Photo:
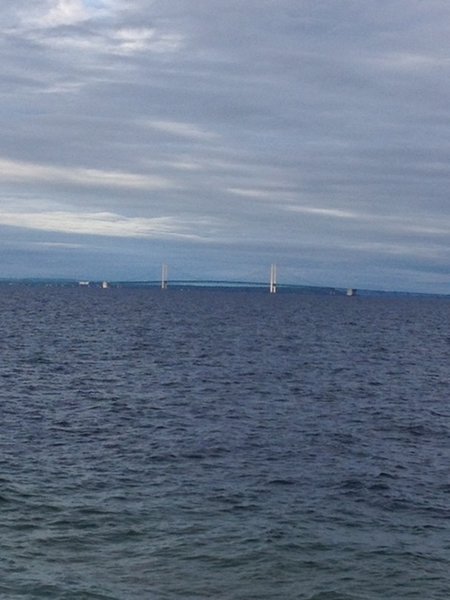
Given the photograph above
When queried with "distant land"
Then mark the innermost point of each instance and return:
(261, 287)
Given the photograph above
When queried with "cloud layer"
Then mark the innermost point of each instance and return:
(221, 137)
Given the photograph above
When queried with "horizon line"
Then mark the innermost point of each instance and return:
(338, 290)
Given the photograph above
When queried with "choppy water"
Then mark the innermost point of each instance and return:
(208, 444)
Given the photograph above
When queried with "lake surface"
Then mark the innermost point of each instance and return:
(226, 445)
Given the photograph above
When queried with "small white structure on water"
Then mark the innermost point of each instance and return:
(351, 291)
(84, 283)
(273, 279)
(105, 285)
(164, 277)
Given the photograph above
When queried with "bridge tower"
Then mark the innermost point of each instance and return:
(273, 279)
(164, 277)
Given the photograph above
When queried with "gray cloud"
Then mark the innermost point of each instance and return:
(311, 134)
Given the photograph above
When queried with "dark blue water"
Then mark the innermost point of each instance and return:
(209, 444)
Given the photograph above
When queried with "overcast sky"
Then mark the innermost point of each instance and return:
(222, 136)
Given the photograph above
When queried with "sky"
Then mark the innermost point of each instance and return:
(221, 137)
